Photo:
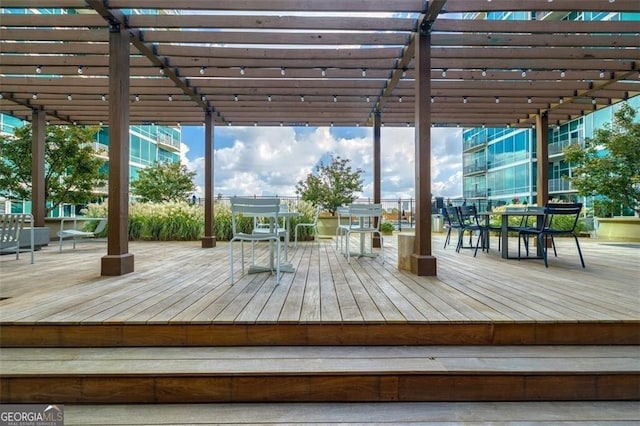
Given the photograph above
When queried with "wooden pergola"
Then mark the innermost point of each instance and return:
(308, 62)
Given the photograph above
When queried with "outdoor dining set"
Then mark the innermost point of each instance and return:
(541, 223)
(271, 222)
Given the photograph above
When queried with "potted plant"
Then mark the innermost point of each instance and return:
(387, 228)
(330, 186)
(608, 167)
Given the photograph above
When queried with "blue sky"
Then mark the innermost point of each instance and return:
(271, 160)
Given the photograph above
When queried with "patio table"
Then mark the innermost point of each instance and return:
(504, 229)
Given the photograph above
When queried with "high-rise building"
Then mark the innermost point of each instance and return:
(500, 165)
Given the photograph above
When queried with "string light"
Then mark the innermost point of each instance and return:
(301, 98)
(400, 99)
(80, 70)
(269, 98)
(69, 97)
(283, 71)
(484, 73)
(497, 99)
(601, 73)
(104, 98)
(137, 98)
(170, 98)
(364, 72)
(563, 73)
(38, 69)
(444, 72)
(201, 70)
(161, 71)
(235, 98)
(524, 73)
(529, 100)
(241, 70)
(324, 72)
(464, 100)
(335, 98)
(34, 96)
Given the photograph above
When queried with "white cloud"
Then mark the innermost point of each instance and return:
(271, 160)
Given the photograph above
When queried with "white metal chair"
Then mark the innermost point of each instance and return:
(77, 234)
(256, 208)
(262, 227)
(364, 219)
(11, 226)
(313, 225)
(344, 222)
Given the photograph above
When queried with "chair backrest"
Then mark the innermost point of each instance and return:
(468, 215)
(253, 207)
(10, 227)
(365, 215)
(451, 215)
(562, 216)
(343, 215)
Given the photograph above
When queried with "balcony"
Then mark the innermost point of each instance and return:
(560, 185)
(557, 148)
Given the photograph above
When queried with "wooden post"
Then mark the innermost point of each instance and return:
(422, 261)
(377, 122)
(118, 261)
(542, 154)
(38, 199)
(209, 239)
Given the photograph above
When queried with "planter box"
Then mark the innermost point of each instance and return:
(623, 228)
(40, 238)
(327, 226)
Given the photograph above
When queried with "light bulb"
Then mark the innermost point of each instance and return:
(38, 69)
(80, 70)
(104, 98)
(69, 97)
(283, 71)
(241, 70)
(364, 72)
(170, 98)
(201, 70)
(324, 72)
(335, 98)
(34, 96)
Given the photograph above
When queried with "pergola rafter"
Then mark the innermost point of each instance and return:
(250, 62)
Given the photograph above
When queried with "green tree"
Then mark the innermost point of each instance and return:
(163, 182)
(332, 184)
(72, 170)
(609, 164)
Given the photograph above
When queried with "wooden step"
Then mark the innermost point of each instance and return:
(319, 374)
(64, 334)
(423, 413)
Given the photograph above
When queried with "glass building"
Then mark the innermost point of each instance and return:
(500, 165)
(148, 145)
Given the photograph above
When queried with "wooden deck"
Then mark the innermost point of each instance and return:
(180, 295)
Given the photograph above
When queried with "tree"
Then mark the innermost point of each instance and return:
(609, 164)
(332, 184)
(164, 182)
(72, 169)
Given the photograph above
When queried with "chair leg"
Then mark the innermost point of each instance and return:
(543, 247)
(480, 236)
(579, 251)
(231, 261)
(448, 238)
(278, 275)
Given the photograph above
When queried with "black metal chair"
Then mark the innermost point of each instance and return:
(468, 217)
(451, 222)
(559, 220)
